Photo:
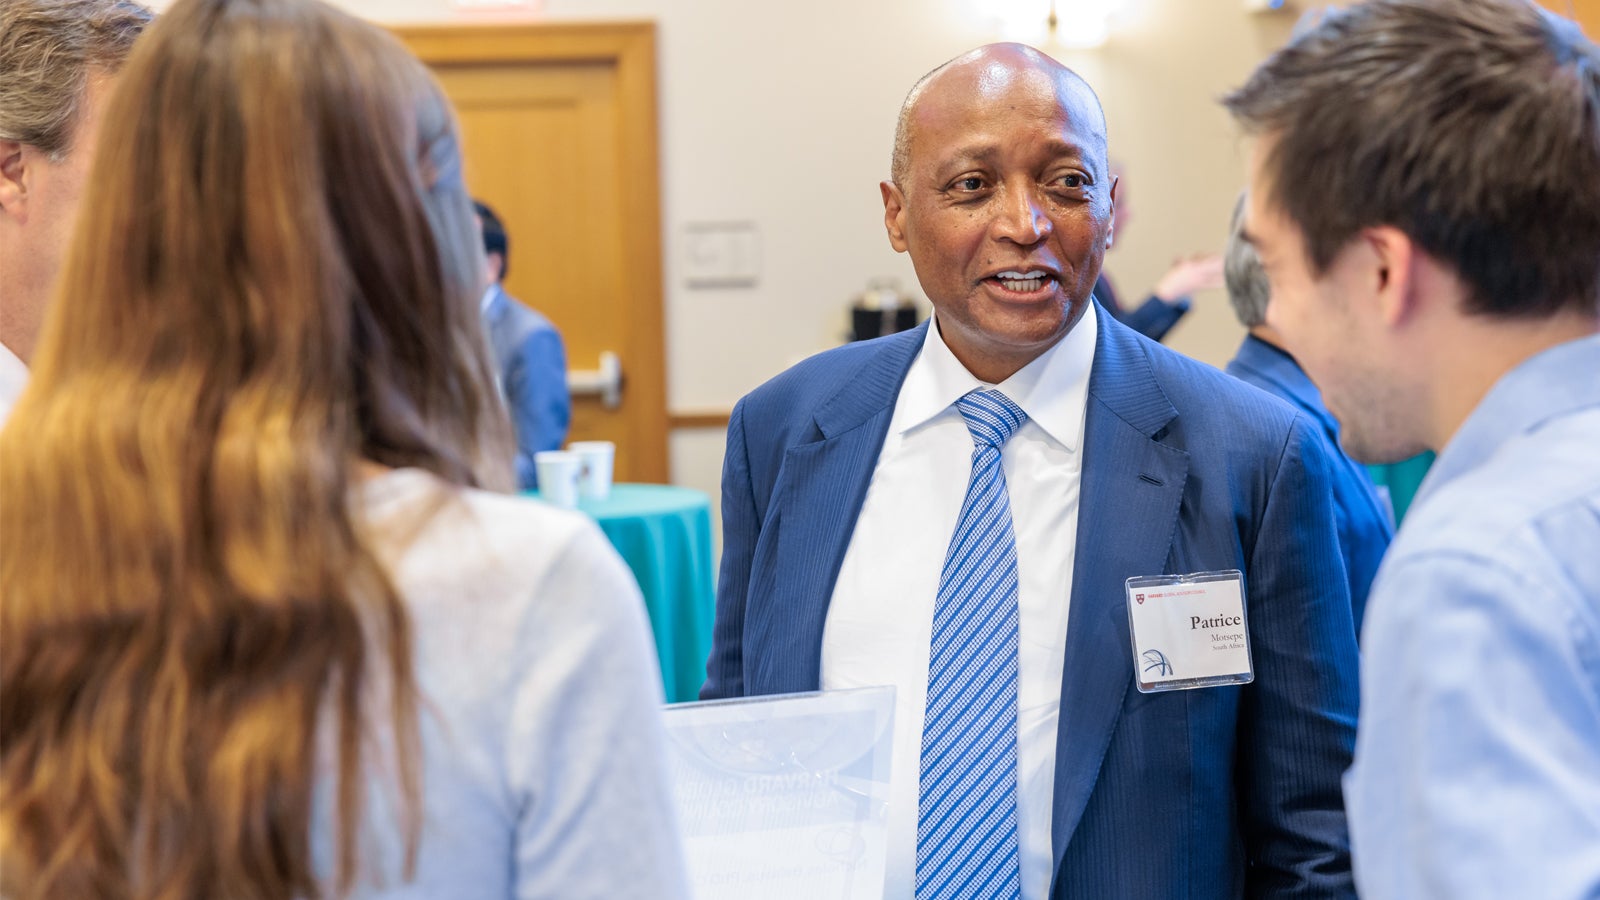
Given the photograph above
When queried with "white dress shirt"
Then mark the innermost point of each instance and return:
(13, 378)
(880, 620)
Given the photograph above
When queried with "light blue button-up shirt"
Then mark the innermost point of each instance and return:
(1477, 767)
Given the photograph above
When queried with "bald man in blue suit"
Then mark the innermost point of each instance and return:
(844, 476)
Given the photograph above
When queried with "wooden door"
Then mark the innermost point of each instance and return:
(559, 127)
(1585, 12)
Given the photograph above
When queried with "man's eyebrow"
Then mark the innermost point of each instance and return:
(973, 153)
(1248, 238)
(1068, 148)
(986, 151)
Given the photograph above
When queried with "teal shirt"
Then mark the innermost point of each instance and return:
(1401, 481)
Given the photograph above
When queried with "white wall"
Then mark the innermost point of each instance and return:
(782, 113)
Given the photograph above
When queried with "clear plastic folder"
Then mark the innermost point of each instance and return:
(784, 798)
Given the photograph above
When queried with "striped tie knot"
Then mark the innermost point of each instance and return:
(991, 416)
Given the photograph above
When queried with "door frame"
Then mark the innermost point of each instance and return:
(629, 47)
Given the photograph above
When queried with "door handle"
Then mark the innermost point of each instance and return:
(604, 382)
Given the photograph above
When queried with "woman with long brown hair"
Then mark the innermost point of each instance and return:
(263, 631)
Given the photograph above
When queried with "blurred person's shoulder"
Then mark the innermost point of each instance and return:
(460, 546)
(1533, 506)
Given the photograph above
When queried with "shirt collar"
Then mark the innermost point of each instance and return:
(1550, 384)
(488, 296)
(1275, 364)
(1053, 389)
(13, 378)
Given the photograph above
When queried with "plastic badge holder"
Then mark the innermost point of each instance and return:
(1162, 665)
(786, 797)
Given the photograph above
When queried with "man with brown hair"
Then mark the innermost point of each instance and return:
(1425, 197)
(58, 60)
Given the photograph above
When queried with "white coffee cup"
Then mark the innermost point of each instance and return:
(559, 473)
(598, 458)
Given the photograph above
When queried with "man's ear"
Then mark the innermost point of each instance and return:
(13, 184)
(894, 215)
(1394, 261)
(1111, 224)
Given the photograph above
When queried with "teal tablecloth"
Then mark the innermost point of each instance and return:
(664, 535)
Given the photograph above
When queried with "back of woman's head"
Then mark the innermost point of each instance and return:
(275, 276)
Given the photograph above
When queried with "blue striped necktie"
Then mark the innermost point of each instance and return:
(967, 805)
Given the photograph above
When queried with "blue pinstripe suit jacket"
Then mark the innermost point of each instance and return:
(1211, 793)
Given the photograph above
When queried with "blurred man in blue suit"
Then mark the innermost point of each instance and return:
(1364, 521)
(954, 511)
(532, 358)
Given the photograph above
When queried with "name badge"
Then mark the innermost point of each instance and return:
(1189, 631)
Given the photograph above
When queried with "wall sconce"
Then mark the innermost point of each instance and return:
(1064, 23)
(497, 5)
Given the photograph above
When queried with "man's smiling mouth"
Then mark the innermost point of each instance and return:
(1018, 282)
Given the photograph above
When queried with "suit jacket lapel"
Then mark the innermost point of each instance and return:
(494, 319)
(1127, 517)
(816, 499)
(495, 309)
